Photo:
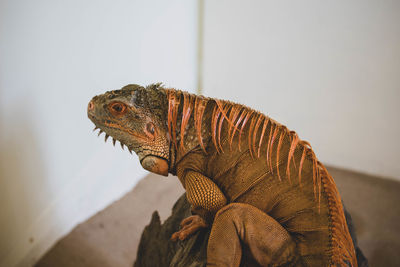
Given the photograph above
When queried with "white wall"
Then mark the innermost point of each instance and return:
(56, 55)
(328, 69)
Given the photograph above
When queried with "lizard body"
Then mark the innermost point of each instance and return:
(251, 179)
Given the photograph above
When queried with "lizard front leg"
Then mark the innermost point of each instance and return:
(206, 199)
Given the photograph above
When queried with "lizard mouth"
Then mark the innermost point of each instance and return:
(107, 126)
(114, 126)
(149, 161)
(114, 141)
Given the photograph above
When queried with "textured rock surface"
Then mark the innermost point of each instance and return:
(156, 249)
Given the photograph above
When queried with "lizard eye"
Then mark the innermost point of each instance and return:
(117, 108)
(150, 131)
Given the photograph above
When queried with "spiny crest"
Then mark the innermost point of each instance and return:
(190, 104)
(173, 106)
(188, 101)
(183, 105)
(199, 108)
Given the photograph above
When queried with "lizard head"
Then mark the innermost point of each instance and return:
(136, 117)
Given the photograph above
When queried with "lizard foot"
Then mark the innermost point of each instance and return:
(189, 226)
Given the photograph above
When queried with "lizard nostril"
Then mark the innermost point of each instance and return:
(91, 105)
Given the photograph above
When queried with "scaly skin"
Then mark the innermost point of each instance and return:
(249, 178)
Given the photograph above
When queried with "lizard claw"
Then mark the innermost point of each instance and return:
(189, 226)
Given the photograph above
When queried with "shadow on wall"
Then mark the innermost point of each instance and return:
(81, 251)
(23, 185)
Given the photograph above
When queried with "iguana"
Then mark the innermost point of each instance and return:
(257, 185)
